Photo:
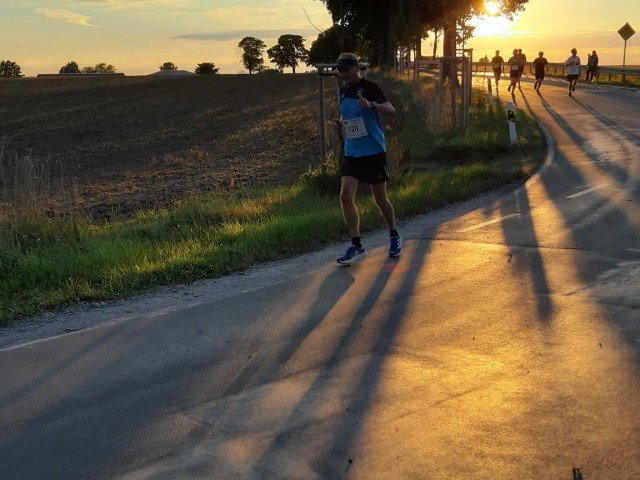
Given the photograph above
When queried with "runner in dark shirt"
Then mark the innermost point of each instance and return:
(496, 64)
(592, 63)
(514, 71)
(523, 57)
(540, 67)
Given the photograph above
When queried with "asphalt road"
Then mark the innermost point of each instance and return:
(504, 343)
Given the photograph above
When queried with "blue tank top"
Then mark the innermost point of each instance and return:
(373, 142)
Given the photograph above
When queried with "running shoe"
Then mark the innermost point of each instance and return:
(352, 255)
(395, 246)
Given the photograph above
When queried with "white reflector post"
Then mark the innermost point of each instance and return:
(512, 122)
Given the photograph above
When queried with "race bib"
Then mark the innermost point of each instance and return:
(515, 67)
(496, 66)
(354, 128)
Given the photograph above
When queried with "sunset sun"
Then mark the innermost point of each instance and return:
(492, 8)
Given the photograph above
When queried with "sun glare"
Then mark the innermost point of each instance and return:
(492, 8)
(497, 26)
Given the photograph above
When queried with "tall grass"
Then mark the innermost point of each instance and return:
(47, 263)
(26, 179)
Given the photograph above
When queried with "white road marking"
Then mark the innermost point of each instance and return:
(490, 222)
(588, 190)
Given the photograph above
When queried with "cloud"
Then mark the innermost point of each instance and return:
(306, 33)
(65, 16)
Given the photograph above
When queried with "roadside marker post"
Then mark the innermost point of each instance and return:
(489, 92)
(512, 122)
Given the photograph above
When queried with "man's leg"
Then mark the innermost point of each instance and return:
(379, 193)
(348, 190)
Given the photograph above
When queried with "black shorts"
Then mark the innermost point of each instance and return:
(540, 76)
(370, 169)
(573, 76)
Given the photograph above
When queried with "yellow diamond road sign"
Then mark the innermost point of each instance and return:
(626, 32)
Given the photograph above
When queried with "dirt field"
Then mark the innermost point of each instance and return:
(122, 143)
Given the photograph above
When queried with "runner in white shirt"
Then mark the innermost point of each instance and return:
(573, 70)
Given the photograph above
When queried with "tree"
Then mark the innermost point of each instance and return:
(71, 67)
(168, 66)
(329, 44)
(9, 69)
(377, 22)
(252, 52)
(464, 31)
(288, 52)
(369, 22)
(99, 68)
(206, 69)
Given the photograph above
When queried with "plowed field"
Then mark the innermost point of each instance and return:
(118, 144)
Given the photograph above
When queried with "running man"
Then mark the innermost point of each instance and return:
(592, 63)
(573, 70)
(540, 67)
(496, 64)
(361, 103)
(514, 71)
(523, 57)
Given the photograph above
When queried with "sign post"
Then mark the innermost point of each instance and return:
(626, 32)
(489, 92)
(512, 122)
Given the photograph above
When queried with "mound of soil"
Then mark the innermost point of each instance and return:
(119, 144)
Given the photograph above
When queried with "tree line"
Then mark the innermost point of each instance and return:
(10, 69)
(72, 67)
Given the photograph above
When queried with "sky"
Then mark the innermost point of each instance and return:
(137, 36)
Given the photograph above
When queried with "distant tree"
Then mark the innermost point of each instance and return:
(206, 69)
(71, 67)
(9, 69)
(168, 66)
(329, 44)
(289, 52)
(484, 59)
(464, 31)
(99, 68)
(252, 52)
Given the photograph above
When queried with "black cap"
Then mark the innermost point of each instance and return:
(347, 62)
